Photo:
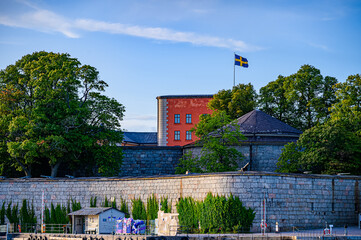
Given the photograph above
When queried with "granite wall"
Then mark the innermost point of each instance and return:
(303, 201)
(150, 160)
(262, 157)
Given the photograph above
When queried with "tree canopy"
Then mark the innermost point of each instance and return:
(218, 136)
(301, 100)
(334, 146)
(52, 111)
(236, 102)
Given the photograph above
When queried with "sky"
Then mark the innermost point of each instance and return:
(144, 49)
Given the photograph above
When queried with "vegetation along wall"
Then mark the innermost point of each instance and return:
(291, 199)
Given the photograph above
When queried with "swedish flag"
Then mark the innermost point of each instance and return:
(240, 61)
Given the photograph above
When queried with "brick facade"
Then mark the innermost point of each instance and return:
(178, 114)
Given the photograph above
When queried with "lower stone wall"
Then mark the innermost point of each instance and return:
(150, 160)
(303, 201)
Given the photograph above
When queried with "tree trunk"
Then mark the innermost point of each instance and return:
(54, 169)
(27, 170)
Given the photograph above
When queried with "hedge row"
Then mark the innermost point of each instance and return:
(215, 214)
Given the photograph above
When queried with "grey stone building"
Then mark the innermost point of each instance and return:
(266, 137)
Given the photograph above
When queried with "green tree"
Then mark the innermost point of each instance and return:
(334, 146)
(273, 101)
(236, 102)
(27, 216)
(138, 210)
(311, 95)
(52, 111)
(12, 213)
(93, 202)
(165, 206)
(124, 207)
(218, 136)
(348, 105)
(106, 202)
(329, 148)
(2, 214)
(152, 207)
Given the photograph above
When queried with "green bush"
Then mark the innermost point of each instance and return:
(93, 202)
(188, 212)
(2, 214)
(124, 207)
(152, 208)
(12, 213)
(27, 216)
(75, 206)
(215, 214)
(166, 207)
(106, 202)
(138, 211)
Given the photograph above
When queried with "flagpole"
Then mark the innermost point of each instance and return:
(234, 70)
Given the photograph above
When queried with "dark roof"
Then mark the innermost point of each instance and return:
(186, 96)
(90, 211)
(258, 122)
(140, 137)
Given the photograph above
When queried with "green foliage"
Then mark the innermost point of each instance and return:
(215, 214)
(152, 207)
(124, 207)
(348, 105)
(75, 206)
(334, 146)
(218, 137)
(93, 202)
(12, 213)
(273, 100)
(114, 204)
(57, 215)
(2, 214)
(106, 202)
(301, 100)
(47, 218)
(138, 211)
(52, 112)
(236, 102)
(165, 206)
(27, 216)
(188, 212)
(329, 148)
(189, 162)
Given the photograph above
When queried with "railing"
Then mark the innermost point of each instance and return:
(36, 228)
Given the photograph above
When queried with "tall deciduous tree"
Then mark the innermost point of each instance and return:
(52, 109)
(334, 146)
(273, 101)
(236, 102)
(301, 100)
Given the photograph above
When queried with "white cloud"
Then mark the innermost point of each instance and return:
(162, 34)
(48, 21)
(41, 20)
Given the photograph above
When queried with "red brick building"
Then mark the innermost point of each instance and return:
(177, 115)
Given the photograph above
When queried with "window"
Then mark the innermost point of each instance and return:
(176, 135)
(188, 118)
(176, 118)
(188, 135)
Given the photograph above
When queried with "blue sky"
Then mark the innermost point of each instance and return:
(144, 49)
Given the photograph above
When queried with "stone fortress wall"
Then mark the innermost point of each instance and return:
(303, 201)
(149, 160)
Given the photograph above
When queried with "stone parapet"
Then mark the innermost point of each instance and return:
(292, 200)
